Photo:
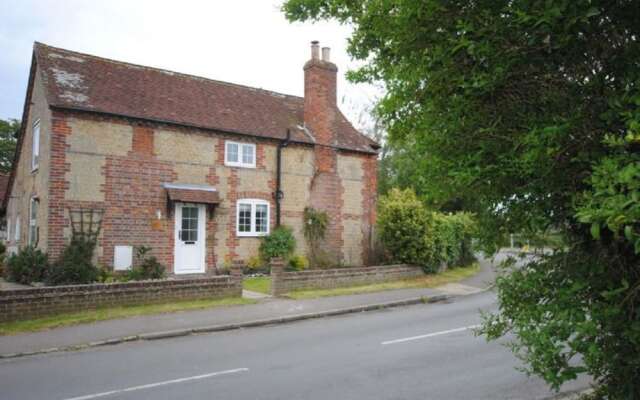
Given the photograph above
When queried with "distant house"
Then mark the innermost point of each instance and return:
(186, 165)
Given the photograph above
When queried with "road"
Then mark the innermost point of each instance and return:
(416, 352)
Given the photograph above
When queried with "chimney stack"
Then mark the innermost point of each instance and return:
(325, 54)
(320, 97)
(315, 50)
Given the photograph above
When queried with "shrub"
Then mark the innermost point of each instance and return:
(146, 266)
(75, 264)
(411, 234)
(403, 224)
(26, 266)
(298, 262)
(315, 227)
(256, 265)
(280, 243)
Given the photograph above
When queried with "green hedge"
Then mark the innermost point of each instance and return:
(412, 234)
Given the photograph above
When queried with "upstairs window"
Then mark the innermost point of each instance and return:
(240, 154)
(35, 151)
(33, 222)
(252, 217)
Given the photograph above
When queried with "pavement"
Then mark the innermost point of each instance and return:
(266, 311)
(413, 352)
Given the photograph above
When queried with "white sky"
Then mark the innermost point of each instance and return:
(241, 41)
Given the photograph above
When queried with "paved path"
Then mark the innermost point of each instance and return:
(415, 352)
(267, 308)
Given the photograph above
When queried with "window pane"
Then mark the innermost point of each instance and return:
(189, 224)
(34, 209)
(232, 152)
(247, 154)
(244, 218)
(261, 218)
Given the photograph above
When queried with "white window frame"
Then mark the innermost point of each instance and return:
(33, 221)
(253, 203)
(241, 147)
(17, 230)
(35, 146)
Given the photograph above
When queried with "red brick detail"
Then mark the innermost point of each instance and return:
(232, 241)
(57, 184)
(142, 143)
(320, 109)
(133, 197)
(369, 201)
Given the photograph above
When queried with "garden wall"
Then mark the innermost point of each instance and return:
(35, 302)
(283, 282)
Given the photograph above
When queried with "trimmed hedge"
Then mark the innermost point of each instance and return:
(412, 234)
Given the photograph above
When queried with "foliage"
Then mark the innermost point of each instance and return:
(27, 265)
(412, 234)
(298, 262)
(256, 265)
(8, 138)
(279, 243)
(403, 226)
(75, 264)
(525, 113)
(315, 228)
(146, 266)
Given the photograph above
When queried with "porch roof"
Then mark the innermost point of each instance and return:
(192, 193)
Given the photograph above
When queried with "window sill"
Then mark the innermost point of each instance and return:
(251, 235)
(234, 165)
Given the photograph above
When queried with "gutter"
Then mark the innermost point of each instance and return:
(279, 194)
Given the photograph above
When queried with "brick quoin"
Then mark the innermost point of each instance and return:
(60, 130)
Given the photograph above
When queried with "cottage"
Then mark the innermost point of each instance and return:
(195, 168)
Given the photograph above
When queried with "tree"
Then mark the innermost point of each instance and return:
(527, 113)
(8, 137)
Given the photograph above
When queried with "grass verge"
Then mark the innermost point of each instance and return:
(427, 281)
(102, 314)
(261, 284)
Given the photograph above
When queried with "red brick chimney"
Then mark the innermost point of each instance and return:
(320, 98)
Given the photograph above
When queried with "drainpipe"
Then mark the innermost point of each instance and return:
(279, 194)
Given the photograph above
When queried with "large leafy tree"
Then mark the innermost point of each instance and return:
(8, 131)
(526, 112)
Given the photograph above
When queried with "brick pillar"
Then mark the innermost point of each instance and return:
(277, 270)
(236, 274)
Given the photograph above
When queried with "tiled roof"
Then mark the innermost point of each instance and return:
(193, 196)
(84, 82)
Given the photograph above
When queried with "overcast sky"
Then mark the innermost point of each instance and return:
(241, 41)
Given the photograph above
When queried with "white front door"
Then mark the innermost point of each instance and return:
(190, 232)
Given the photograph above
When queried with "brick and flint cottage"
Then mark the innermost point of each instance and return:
(189, 166)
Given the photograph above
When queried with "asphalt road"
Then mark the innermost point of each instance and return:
(417, 352)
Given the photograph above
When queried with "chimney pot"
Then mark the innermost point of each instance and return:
(326, 51)
(315, 50)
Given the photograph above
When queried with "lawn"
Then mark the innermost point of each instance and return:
(427, 281)
(261, 284)
(102, 314)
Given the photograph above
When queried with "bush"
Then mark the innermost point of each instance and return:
(403, 224)
(146, 267)
(256, 265)
(26, 266)
(75, 265)
(298, 262)
(411, 234)
(280, 243)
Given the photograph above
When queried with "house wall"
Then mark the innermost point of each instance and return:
(119, 167)
(28, 183)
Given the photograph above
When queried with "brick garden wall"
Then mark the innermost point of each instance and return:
(283, 282)
(36, 302)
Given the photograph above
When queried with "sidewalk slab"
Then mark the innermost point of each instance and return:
(180, 323)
